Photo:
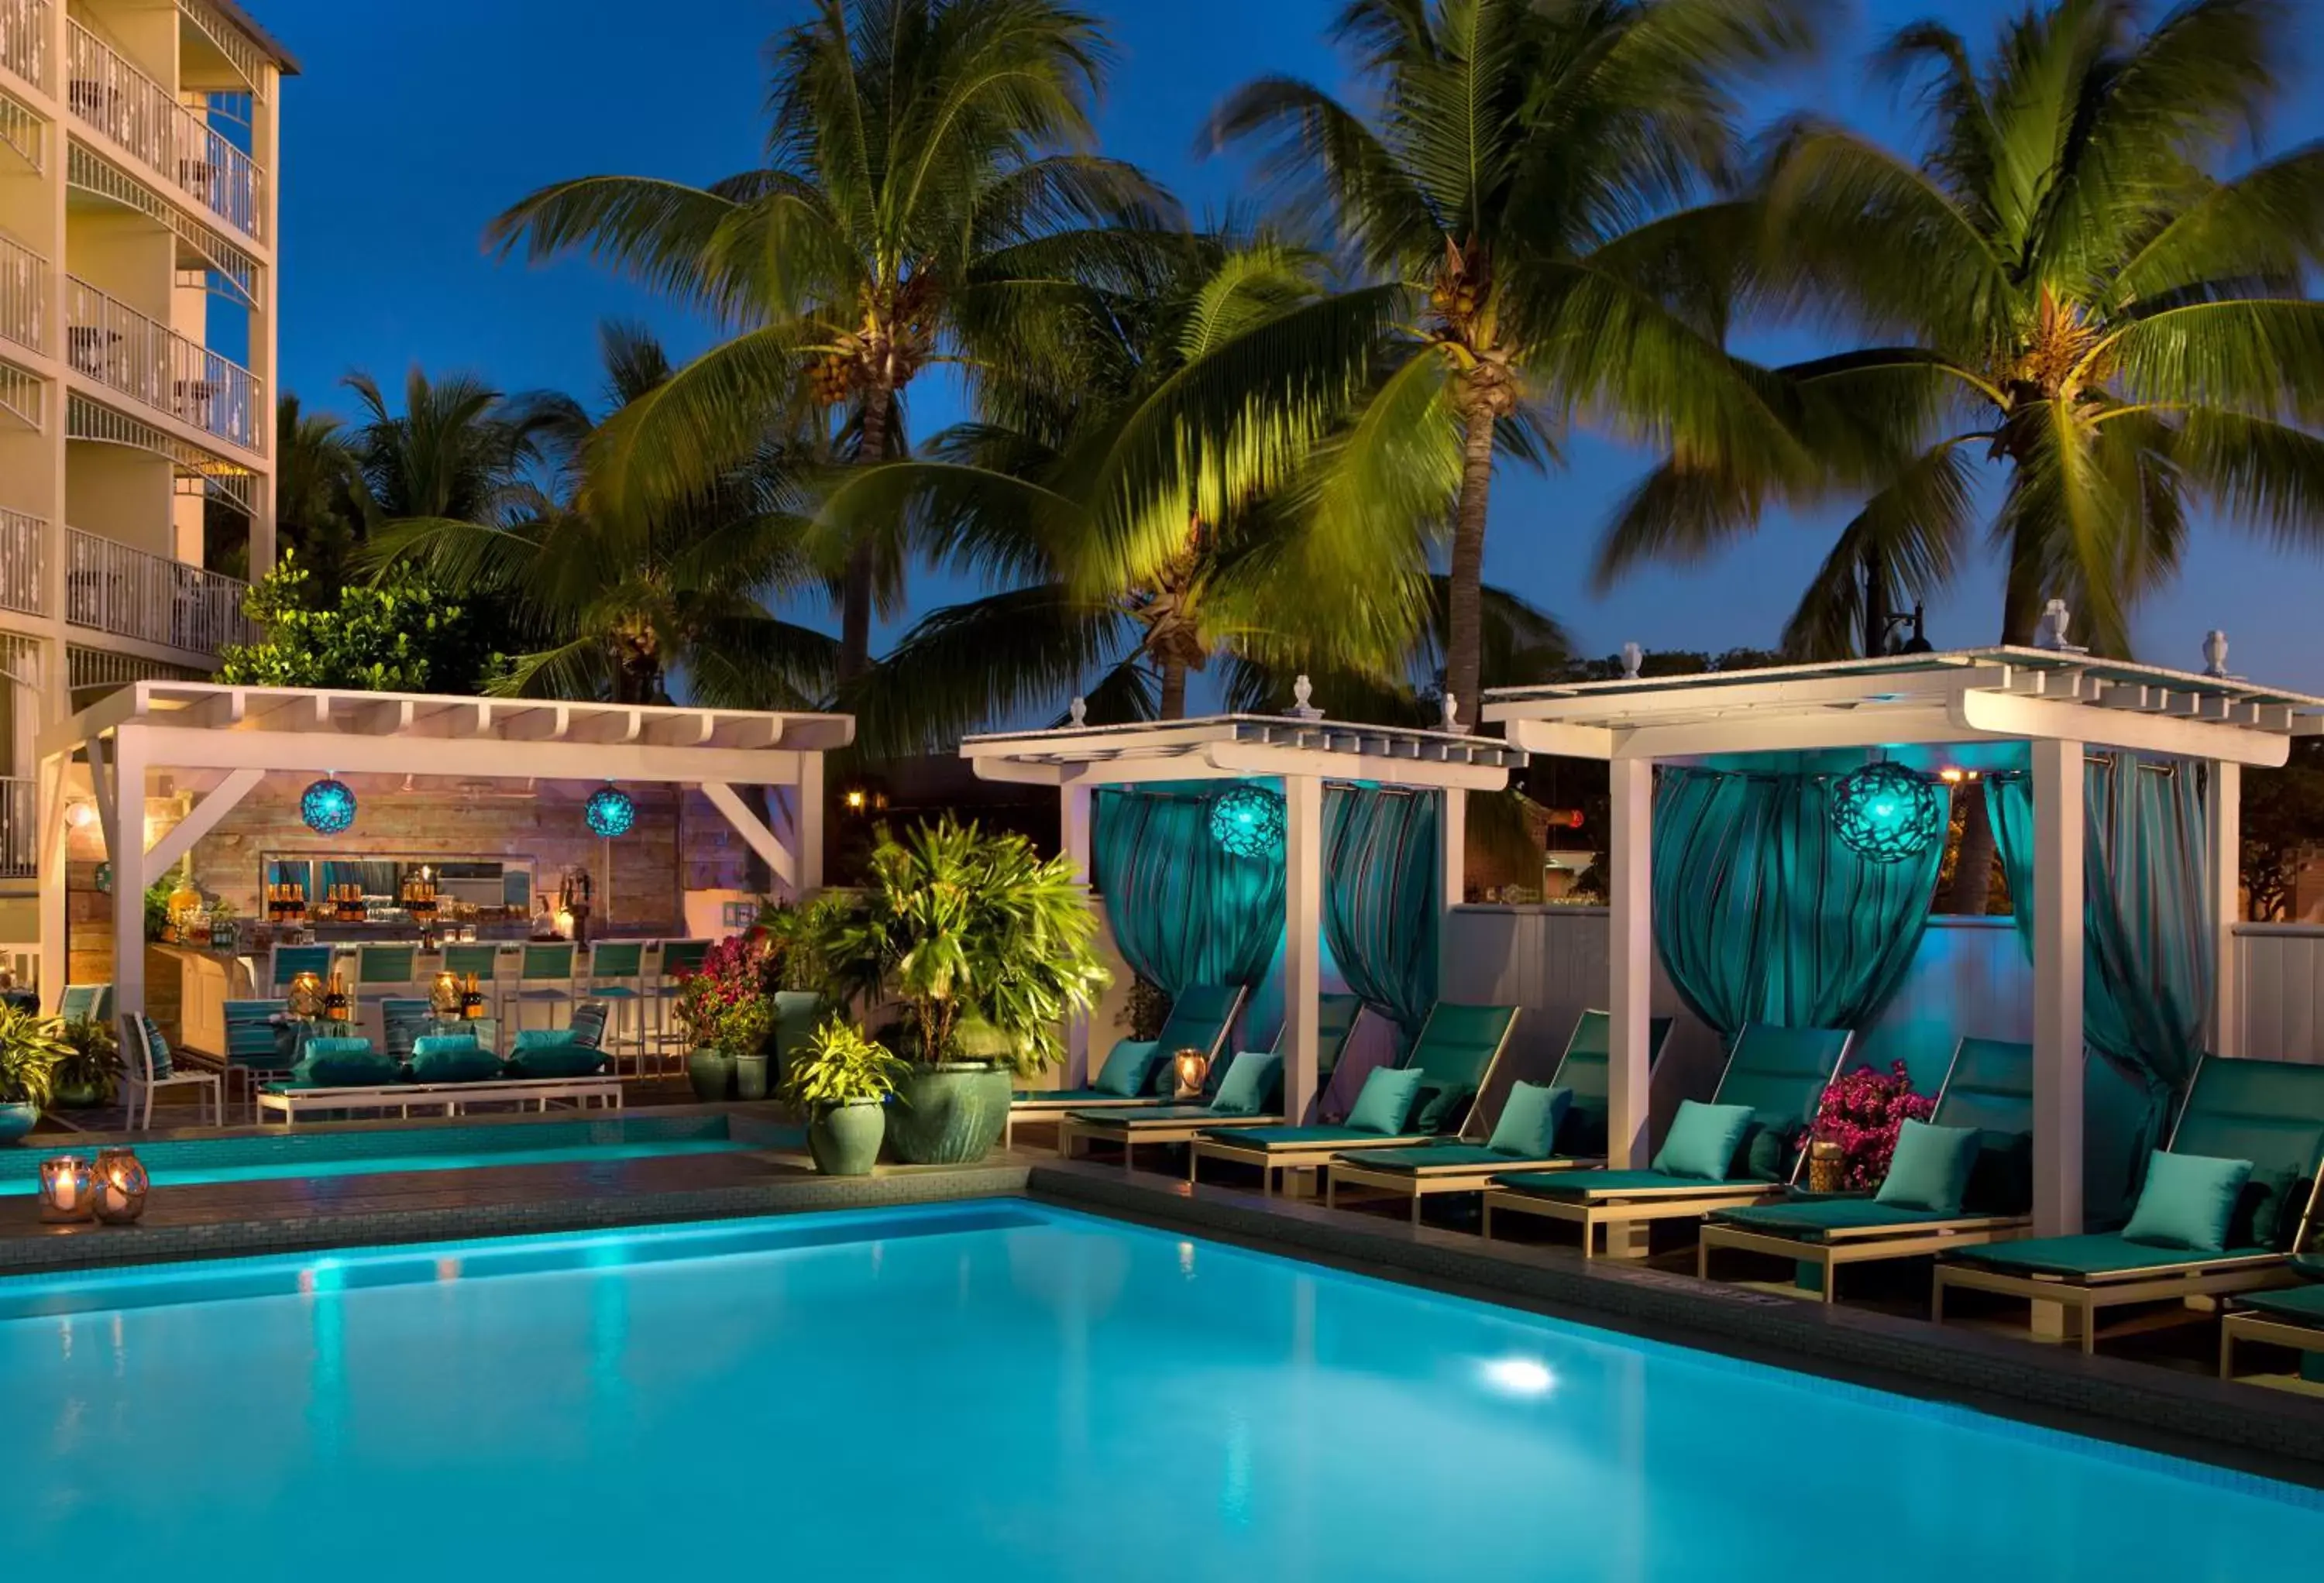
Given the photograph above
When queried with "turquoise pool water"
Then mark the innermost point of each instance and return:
(165, 1175)
(975, 1394)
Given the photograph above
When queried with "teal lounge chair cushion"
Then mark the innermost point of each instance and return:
(551, 1053)
(1058, 1096)
(1440, 1107)
(452, 1058)
(2099, 1253)
(1529, 1119)
(1929, 1169)
(342, 1063)
(1129, 1069)
(2189, 1201)
(1424, 1156)
(1598, 1183)
(1251, 1078)
(1385, 1101)
(1273, 1137)
(2304, 1304)
(1702, 1140)
(1134, 1116)
(1813, 1220)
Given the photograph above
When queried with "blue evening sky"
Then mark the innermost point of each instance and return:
(418, 121)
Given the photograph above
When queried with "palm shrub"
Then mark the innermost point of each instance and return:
(841, 1065)
(987, 945)
(31, 1048)
(92, 1064)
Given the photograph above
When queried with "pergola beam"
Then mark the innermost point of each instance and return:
(203, 818)
(754, 832)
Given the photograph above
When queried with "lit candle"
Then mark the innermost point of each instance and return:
(64, 1188)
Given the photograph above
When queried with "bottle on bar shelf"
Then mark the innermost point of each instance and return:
(472, 1001)
(335, 999)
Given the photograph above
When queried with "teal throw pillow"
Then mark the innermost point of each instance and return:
(2267, 1210)
(1386, 1100)
(1253, 1079)
(1702, 1140)
(1530, 1116)
(554, 1052)
(1931, 1167)
(2189, 1202)
(452, 1058)
(1441, 1106)
(1127, 1069)
(342, 1063)
(1764, 1154)
(157, 1047)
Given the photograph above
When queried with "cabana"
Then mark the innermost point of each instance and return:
(2060, 744)
(1257, 802)
(220, 742)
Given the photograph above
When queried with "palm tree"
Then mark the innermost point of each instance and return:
(459, 451)
(928, 185)
(1517, 186)
(2092, 306)
(318, 514)
(618, 602)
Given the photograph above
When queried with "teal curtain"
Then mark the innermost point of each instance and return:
(1183, 911)
(1381, 877)
(2146, 930)
(1762, 914)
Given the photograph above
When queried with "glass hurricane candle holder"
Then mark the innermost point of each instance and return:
(445, 997)
(305, 997)
(1827, 1166)
(66, 1189)
(121, 1185)
(1194, 1071)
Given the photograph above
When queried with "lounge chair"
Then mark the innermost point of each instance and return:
(1336, 1019)
(1455, 1056)
(1780, 1073)
(2268, 1112)
(1202, 1017)
(1468, 1163)
(1989, 1085)
(2290, 1316)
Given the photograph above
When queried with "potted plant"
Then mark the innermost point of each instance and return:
(985, 948)
(1861, 1114)
(31, 1046)
(841, 1082)
(725, 1009)
(90, 1071)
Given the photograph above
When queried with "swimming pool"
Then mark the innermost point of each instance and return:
(362, 1151)
(992, 1392)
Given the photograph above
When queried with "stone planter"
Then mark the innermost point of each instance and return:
(845, 1139)
(950, 1114)
(86, 1096)
(711, 1072)
(750, 1076)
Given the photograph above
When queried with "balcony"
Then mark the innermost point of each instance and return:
(23, 563)
(24, 40)
(107, 93)
(23, 294)
(145, 359)
(113, 587)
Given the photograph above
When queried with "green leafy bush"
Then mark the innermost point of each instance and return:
(841, 1064)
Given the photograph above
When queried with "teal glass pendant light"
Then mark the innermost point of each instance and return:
(1246, 821)
(610, 812)
(327, 806)
(1886, 813)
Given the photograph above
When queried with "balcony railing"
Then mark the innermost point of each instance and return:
(122, 349)
(24, 40)
(23, 563)
(23, 292)
(124, 104)
(19, 825)
(111, 587)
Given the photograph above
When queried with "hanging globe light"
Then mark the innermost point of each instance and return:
(327, 806)
(610, 812)
(1247, 822)
(1886, 813)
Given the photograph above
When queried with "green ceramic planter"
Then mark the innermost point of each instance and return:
(711, 1072)
(845, 1139)
(79, 1096)
(16, 1120)
(751, 1077)
(950, 1115)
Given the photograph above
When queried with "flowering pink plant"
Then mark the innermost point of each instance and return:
(1862, 1112)
(725, 1003)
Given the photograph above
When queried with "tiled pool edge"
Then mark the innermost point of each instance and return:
(2243, 1427)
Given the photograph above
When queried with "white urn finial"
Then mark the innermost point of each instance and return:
(1301, 691)
(2215, 653)
(1633, 657)
(1077, 712)
(2056, 620)
(1452, 711)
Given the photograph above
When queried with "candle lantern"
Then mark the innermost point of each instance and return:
(66, 1188)
(305, 997)
(1194, 1071)
(121, 1186)
(446, 998)
(1827, 1166)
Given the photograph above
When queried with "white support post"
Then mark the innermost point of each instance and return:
(2058, 947)
(810, 824)
(126, 851)
(1073, 841)
(2226, 832)
(1454, 880)
(1631, 960)
(1303, 909)
(49, 861)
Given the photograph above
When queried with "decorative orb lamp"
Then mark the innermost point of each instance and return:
(67, 1188)
(305, 1000)
(1194, 1071)
(327, 806)
(1886, 813)
(1247, 822)
(610, 812)
(121, 1186)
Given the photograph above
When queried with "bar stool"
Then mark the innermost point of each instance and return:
(617, 977)
(678, 959)
(288, 961)
(384, 973)
(259, 1045)
(85, 1003)
(544, 978)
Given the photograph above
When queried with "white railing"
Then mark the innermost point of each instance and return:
(23, 292)
(24, 40)
(113, 343)
(114, 587)
(23, 563)
(19, 822)
(176, 143)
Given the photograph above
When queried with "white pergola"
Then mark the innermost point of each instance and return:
(2059, 703)
(1303, 754)
(221, 742)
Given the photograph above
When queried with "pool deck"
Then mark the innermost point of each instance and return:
(2182, 1413)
